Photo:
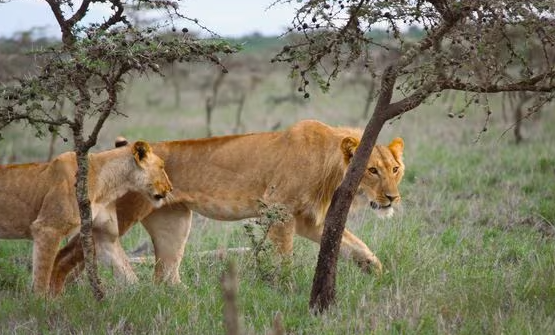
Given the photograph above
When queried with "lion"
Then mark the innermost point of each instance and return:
(38, 201)
(226, 178)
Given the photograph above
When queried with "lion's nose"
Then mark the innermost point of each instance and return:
(391, 197)
(159, 196)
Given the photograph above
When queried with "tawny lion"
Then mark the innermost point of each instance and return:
(224, 178)
(37, 200)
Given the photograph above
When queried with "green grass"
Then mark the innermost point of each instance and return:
(471, 251)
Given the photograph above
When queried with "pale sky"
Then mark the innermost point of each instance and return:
(228, 18)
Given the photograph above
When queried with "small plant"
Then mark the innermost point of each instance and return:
(269, 266)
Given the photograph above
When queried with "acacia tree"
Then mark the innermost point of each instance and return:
(88, 69)
(478, 47)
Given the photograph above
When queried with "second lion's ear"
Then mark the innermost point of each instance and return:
(140, 150)
(349, 145)
(120, 142)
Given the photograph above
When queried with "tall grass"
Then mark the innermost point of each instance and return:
(471, 252)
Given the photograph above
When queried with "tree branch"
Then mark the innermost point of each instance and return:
(68, 38)
(432, 39)
(410, 102)
(114, 18)
(389, 77)
(523, 85)
(80, 13)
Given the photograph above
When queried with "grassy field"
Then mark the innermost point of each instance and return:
(471, 252)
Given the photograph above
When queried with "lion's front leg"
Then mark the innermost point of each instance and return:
(169, 230)
(109, 250)
(46, 241)
(351, 246)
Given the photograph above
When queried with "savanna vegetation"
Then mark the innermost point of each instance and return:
(471, 251)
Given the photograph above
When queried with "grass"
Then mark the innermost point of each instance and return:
(471, 252)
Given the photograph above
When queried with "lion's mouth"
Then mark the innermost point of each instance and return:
(374, 205)
(158, 199)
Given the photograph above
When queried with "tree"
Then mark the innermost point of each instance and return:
(88, 69)
(478, 47)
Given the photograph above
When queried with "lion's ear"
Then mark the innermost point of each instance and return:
(141, 149)
(349, 146)
(396, 146)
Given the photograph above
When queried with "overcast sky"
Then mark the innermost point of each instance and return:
(228, 18)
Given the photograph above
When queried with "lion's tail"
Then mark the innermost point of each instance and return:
(68, 258)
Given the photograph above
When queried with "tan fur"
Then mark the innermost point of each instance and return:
(225, 178)
(37, 201)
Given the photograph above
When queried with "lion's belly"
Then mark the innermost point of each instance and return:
(224, 208)
(224, 212)
(15, 221)
(14, 232)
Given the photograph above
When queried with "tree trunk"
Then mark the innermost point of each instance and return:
(52, 145)
(209, 104)
(81, 187)
(238, 122)
(323, 284)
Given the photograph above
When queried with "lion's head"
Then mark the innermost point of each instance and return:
(151, 179)
(384, 172)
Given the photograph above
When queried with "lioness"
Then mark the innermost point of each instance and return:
(37, 200)
(224, 178)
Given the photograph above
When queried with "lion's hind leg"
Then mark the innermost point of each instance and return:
(169, 230)
(281, 236)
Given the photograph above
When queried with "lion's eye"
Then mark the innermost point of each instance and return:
(373, 170)
(395, 169)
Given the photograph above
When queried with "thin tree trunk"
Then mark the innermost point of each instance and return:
(52, 145)
(81, 187)
(518, 121)
(81, 191)
(212, 101)
(209, 107)
(241, 104)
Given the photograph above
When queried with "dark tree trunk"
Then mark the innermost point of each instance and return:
(323, 285)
